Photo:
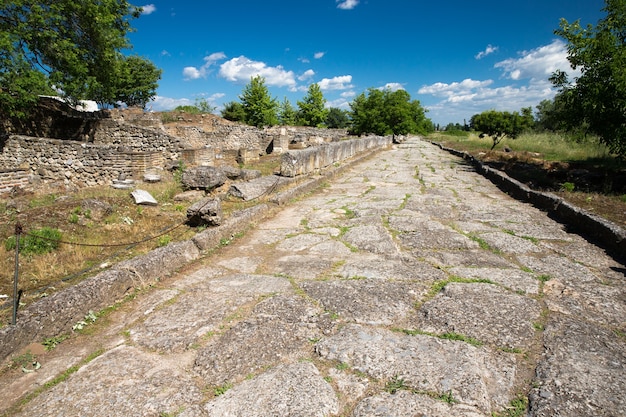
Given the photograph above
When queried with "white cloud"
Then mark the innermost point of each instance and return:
(160, 103)
(242, 69)
(392, 87)
(348, 94)
(165, 53)
(455, 88)
(347, 4)
(193, 73)
(148, 9)
(461, 100)
(306, 75)
(319, 55)
(538, 63)
(488, 51)
(341, 82)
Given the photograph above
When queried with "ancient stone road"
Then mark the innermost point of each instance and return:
(409, 286)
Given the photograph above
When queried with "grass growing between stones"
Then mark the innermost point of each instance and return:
(437, 286)
(396, 384)
(516, 408)
(50, 384)
(447, 336)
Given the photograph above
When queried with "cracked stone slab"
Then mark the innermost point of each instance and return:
(477, 377)
(123, 381)
(473, 258)
(508, 243)
(295, 390)
(378, 267)
(407, 404)
(484, 312)
(515, 279)
(364, 300)
(574, 290)
(581, 372)
(196, 312)
(444, 239)
(371, 238)
(243, 264)
(280, 327)
(536, 228)
(299, 266)
(300, 242)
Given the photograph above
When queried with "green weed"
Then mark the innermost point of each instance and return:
(37, 242)
(395, 384)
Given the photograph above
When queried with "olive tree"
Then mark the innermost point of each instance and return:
(498, 124)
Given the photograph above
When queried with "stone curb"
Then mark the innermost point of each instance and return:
(604, 233)
(58, 313)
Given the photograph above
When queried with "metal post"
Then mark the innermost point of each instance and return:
(18, 232)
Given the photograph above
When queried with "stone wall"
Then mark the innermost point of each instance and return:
(70, 163)
(13, 178)
(314, 159)
(88, 149)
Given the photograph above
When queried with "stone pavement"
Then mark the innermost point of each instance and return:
(409, 286)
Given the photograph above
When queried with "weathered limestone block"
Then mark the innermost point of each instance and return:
(207, 211)
(203, 177)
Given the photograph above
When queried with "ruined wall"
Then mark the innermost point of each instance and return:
(132, 138)
(314, 159)
(70, 163)
(13, 178)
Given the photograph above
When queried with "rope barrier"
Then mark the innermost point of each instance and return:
(19, 231)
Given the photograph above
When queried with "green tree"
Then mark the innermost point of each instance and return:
(287, 113)
(259, 107)
(311, 111)
(498, 124)
(598, 96)
(234, 112)
(386, 112)
(137, 81)
(75, 46)
(337, 118)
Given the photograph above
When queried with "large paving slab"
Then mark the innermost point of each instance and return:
(409, 285)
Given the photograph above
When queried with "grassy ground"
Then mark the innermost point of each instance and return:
(97, 235)
(585, 174)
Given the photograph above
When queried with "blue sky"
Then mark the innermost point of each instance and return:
(457, 57)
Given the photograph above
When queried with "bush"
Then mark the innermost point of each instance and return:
(37, 242)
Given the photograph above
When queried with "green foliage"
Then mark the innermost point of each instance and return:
(73, 46)
(259, 107)
(311, 111)
(222, 389)
(52, 342)
(337, 118)
(199, 107)
(598, 97)
(386, 112)
(234, 112)
(287, 113)
(37, 242)
(498, 124)
(517, 408)
(90, 318)
(395, 384)
(136, 82)
(568, 186)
